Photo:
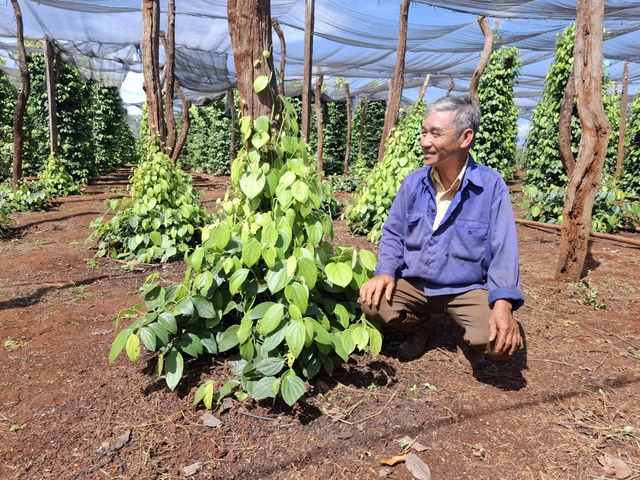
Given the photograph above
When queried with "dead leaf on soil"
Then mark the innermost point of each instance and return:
(391, 461)
(615, 466)
(209, 420)
(384, 472)
(192, 469)
(122, 441)
(478, 451)
(226, 404)
(417, 467)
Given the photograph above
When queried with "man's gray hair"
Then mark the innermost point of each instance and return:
(466, 108)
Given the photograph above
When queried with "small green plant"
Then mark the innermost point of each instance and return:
(13, 344)
(265, 287)
(16, 426)
(91, 263)
(590, 295)
(161, 219)
(428, 386)
(79, 292)
(56, 180)
(340, 183)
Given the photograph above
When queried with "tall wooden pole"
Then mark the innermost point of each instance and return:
(319, 123)
(309, 20)
(23, 97)
(150, 49)
(363, 117)
(283, 56)
(50, 80)
(564, 125)
(624, 101)
(484, 58)
(596, 129)
(397, 84)
(250, 30)
(170, 69)
(347, 149)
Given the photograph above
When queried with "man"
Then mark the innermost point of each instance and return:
(449, 245)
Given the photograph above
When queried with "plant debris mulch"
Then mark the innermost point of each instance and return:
(566, 407)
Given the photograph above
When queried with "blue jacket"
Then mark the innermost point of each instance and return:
(474, 247)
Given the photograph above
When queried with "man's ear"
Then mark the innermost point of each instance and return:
(466, 138)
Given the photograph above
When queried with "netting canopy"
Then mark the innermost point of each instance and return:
(354, 40)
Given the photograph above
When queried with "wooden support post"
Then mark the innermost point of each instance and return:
(319, 123)
(231, 105)
(423, 88)
(596, 129)
(250, 30)
(170, 68)
(23, 97)
(309, 20)
(451, 85)
(564, 125)
(397, 84)
(484, 59)
(283, 57)
(363, 118)
(150, 49)
(624, 101)
(186, 123)
(50, 81)
(347, 149)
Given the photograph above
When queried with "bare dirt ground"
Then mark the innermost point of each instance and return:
(565, 408)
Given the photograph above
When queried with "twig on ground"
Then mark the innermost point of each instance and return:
(368, 417)
(588, 369)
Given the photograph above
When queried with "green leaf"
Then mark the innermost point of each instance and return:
(260, 139)
(148, 338)
(298, 295)
(237, 280)
(190, 344)
(271, 366)
(271, 319)
(252, 183)
(156, 238)
(314, 232)
(307, 270)
(263, 388)
(133, 348)
(168, 322)
(185, 306)
(342, 313)
(292, 388)
(375, 341)
(300, 191)
(119, 344)
(228, 339)
(204, 394)
(261, 124)
(245, 329)
(277, 277)
(339, 273)
(360, 337)
(221, 235)
(260, 83)
(203, 306)
(259, 310)
(348, 341)
(173, 367)
(295, 337)
(367, 259)
(251, 252)
(274, 339)
(195, 260)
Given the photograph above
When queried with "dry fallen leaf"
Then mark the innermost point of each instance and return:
(121, 441)
(417, 467)
(384, 472)
(192, 469)
(615, 466)
(209, 420)
(391, 461)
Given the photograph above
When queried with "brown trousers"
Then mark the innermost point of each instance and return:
(410, 309)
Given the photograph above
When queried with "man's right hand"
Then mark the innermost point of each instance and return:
(371, 291)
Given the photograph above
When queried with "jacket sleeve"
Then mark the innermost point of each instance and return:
(391, 249)
(503, 276)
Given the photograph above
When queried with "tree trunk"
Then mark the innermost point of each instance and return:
(397, 84)
(170, 68)
(319, 123)
(150, 49)
(23, 97)
(451, 85)
(347, 149)
(309, 21)
(596, 129)
(231, 105)
(623, 118)
(50, 80)
(363, 117)
(283, 56)
(186, 123)
(564, 125)
(250, 30)
(484, 59)
(423, 88)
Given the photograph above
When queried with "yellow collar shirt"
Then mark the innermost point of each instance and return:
(444, 197)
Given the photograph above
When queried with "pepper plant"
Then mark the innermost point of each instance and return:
(159, 221)
(56, 180)
(373, 198)
(265, 288)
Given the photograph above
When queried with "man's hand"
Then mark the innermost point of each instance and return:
(503, 329)
(371, 291)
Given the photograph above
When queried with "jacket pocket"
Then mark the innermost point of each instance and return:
(469, 240)
(417, 230)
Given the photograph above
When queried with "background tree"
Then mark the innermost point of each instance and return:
(630, 179)
(8, 97)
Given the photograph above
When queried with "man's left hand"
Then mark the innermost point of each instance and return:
(504, 332)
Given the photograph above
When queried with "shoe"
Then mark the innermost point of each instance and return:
(469, 357)
(415, 343)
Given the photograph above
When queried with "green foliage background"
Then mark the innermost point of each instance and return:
(630, 179)
(8, 98)
(497, 138)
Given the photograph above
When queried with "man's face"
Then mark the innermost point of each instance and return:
(439, 140)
